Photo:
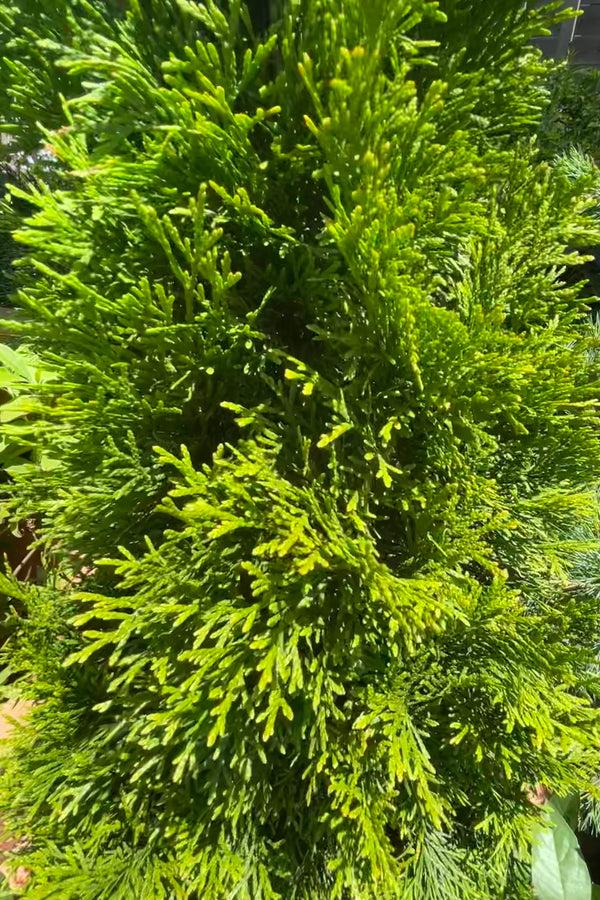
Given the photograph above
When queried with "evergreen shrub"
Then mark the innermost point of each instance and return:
(318, 420)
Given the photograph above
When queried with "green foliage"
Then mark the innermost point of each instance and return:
(574, 164)
(323, 418)
(20, 169)
(572, 117)
(590, 811)
(31, 32)
(21, 377)
(559, 871)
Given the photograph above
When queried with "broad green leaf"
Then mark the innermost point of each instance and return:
(15, 409)
(568, 807)
(558, 870)
(16, 362)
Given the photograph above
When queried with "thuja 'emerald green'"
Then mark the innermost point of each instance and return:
(318, 413)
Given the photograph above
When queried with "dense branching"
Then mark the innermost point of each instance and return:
(319, 418)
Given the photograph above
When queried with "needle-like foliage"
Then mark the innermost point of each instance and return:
(318, 421)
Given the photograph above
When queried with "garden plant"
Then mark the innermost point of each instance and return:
(312, 450)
